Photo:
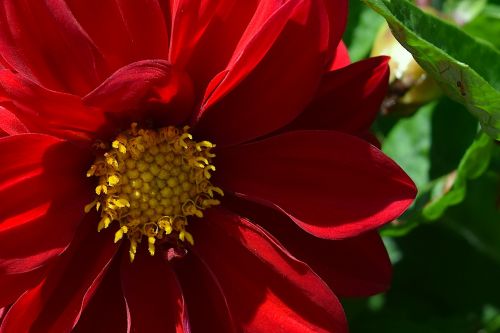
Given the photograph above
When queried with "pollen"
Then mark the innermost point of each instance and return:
(151, 183)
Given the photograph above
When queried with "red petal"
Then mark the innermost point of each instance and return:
(137, 87)
(3, 312)
(266, 289)
(353, 267)
(337, 14)
(205, 33)
(47, 111)
(207, 306)
(124, 31)
(271, 78)
(56, 303)
(10, 124)
(106, 312)
(42, 40)
(348, 99)
(153, 296)
(43, 192)
(365, 271)
(14, 285)
(341, 57)
(331, 184)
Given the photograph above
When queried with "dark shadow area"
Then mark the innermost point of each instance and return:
(441, 284)
(453, 130)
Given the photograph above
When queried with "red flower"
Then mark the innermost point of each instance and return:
(267, 82)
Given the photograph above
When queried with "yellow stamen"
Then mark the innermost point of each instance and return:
(151, 182)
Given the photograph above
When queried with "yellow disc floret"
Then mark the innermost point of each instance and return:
(150, 182)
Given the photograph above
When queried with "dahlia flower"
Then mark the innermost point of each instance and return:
(188, 166)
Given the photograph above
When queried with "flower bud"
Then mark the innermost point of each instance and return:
(409, 85)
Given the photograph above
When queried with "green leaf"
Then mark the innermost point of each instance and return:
(449, 143)
(428, 149)
(477, 219)
(363, 25)
(442, 284)
(408, 143)
(467, 69)
(491, 317)
(473, 164)
(486, 25)
(463, 11)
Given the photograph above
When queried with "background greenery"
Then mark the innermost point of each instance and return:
(446, 248)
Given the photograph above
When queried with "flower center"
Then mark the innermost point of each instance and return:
(150, 181)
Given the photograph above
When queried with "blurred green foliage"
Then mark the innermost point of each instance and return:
(363, 24)
(446, 248)
(486, 25)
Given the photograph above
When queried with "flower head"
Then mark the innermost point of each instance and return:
(188, 166)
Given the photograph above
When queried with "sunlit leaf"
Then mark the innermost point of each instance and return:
(467, 69)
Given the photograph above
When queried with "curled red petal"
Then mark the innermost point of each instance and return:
(337, 16)
(123, 31)
(3, 311)
(42, 195)
(55, 304)
(48, 111)
(153, 296)
(10, 123)
(43, 41)
(265, 287)
(271, 78)
(348, 99)
(205, 34)
(143, 86)
(14, 285)
(107, 311)
(331, 184)
(206, 304)
(341, 57)
(352, 267)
